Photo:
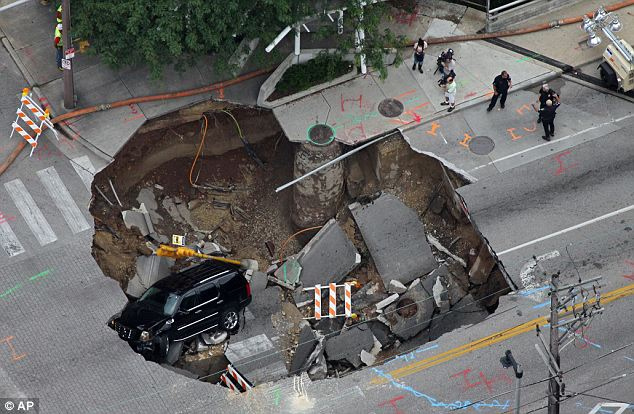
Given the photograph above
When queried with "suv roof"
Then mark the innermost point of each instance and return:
(186, 279)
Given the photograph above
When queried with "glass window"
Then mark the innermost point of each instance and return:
(208, 293)
(160, 300)
(189, 301)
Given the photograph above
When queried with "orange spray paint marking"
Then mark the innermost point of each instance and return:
(344, 100)
(513, 136)
(523, 108)
(488, 383)
(630, 264)
(531, 129)
(405, 93)
(14, 354)
(465, 141)
(434, 126)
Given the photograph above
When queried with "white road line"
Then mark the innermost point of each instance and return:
(30, 212)
(9, 241)
(550, 142)
(443, 137)
(16, 3)
(63, 200)
(575, 227)
(84, 169)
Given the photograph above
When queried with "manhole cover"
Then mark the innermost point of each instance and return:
(390, 107)
(481, 145)
(321, 134)
(406, 308)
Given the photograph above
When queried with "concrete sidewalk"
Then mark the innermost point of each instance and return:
(106, 132)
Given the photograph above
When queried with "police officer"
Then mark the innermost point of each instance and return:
(547, 115)
(501, 85)
(545, 93)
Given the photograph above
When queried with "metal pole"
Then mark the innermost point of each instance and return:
(518, 386)
(553, 385)
(487, 29)
(69, 87)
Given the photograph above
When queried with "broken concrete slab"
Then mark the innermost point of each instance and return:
(367, 358)
(466, 312)
(306, 344)
(328, 257)
(481, 268)
(396, 287)
(329, 326)
(381, 332)
(385, 302)
(395, 237)
(290, 272)
(258, 282)
(319, 370)
(367, 296)
(349, 344)
(436, 243)
(135, 218)
(169, 205)
(149, 270)
(146, 197)
(441, 295)
(411, 313)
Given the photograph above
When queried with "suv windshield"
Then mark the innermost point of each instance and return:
(160, 299)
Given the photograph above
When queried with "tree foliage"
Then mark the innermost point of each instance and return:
(161, 32)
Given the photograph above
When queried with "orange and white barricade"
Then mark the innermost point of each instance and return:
(29, 107)
(234, 380)
(332, 300)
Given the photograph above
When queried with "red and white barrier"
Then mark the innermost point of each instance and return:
(36, 126)
(234, 380)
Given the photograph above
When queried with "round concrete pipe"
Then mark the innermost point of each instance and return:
(317, 198)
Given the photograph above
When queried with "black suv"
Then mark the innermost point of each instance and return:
(201, 298)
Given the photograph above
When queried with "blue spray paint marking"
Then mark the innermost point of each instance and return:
(629, 359)
(410, 356)
(542, 305)
(456, 405)
(532, 291)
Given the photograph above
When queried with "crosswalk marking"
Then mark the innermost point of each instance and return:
(9, 241)
(30, 212)
(84, 169)
(63, 200)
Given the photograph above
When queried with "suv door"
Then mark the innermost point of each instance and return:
(210, 304)
(186, 317)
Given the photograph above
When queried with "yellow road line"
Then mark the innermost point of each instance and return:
(494, 338)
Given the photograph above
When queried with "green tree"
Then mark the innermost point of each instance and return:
(161, 32)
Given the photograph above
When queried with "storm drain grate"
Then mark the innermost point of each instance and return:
(481, 145)
(321, 134)
(391, 107)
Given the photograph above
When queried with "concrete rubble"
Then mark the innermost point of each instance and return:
(396, 287)
(381, 333)
(149, 270)
(349, 344)
(395, 237)
(411, 313)
(385, 302)
(146, 197)
(367, 296)
(306, 344)
(139, 218)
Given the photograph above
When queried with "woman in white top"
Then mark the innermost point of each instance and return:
(419, 54)
(450, 94)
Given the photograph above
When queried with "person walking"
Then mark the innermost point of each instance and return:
(59, 45)
(419, 54)
(450, 94)
(547, 115)
(545, 93)
(501, 85)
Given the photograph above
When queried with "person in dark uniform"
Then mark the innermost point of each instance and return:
(547, 115)
(501, 85)
(545, 93)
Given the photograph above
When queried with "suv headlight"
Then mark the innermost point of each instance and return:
(145, 336)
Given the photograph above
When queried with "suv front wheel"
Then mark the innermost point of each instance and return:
(169, 350)
(230, 320)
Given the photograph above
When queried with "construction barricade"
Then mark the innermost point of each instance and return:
(42, 120)
(233, 380)
(332, 300)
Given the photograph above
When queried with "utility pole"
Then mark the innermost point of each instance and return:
(582, 313)
(69, 87)
(553, 385)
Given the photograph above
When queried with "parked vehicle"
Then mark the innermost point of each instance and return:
(203, 298)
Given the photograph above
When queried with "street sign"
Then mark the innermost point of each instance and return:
(70, 53)
(66, 64)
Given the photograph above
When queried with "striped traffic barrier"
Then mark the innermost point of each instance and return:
(229, 383)
(36, 126)
(332, 300)
(244, 384)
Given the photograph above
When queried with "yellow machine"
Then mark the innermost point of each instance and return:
(183, 252)
(617, 68)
